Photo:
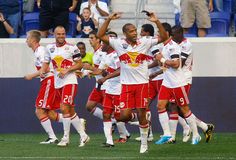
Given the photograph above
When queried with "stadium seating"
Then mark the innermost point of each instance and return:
(228, 5)
(220, 24)
(30, 21)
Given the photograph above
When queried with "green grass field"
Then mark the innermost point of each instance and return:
(26, 146)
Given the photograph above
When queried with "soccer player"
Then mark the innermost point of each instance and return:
(132, 52)
(46, 103)
(97, 94)
(173, 85)
(66, 60)
(187, 64)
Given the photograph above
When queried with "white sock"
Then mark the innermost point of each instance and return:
(121, 129)
(144, 133)
(164, 121)
(183, 123)
(173, 124)
(60, 117)
(46, 123)
(107, 131)
(149, 117)
(97, 112)
(201, 124)
(75, 121)
(192, 124)
(66, 127)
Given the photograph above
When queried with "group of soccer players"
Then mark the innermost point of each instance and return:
(130, 72)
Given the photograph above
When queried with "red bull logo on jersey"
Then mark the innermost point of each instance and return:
(60, 63)
(134, 59)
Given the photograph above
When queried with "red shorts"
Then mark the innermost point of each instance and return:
(111, 103)
(47, 95)
(179, 94)
(187, 89)
(134, 96)
(154, 88)
(97, 95)
(67, 94)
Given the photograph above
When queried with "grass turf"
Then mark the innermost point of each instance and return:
(26, 146)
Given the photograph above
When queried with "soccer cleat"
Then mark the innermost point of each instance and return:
(107, 145)
(196, 140)
(208, 132)
(83, 141)
(186, 134)
(171, 141)
(121, 140)
(50, 141)
(83, 123)
(164, 139)
(143, 148)
(64, 142)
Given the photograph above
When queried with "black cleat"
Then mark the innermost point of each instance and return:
(208, 132)
(107, 145)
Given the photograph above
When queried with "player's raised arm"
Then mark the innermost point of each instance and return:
(102, 31)
(163, 35)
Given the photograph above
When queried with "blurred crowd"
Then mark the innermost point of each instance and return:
(51, 13)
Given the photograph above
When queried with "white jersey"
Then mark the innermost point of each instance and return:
(98, 57)
(133, 59)
(187, 54)
(111, 63)
(62, 57)
(39, 54)
(173, 77)
(152, 52)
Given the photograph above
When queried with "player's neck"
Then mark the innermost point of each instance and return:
(97, 47)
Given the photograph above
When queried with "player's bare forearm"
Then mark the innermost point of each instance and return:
(77, 66)
(116, 73)
(172, 63)
(163, 33)
(153, 64)
(102, 31)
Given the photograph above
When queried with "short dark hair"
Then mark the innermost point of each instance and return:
(80, 43)
(167, 27)
(148, 28)
(111, 32)
(178, 28)
(124, 28)
(94, 33)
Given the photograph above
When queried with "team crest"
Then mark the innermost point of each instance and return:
(125, 45)
(122, 104)
(52, 50)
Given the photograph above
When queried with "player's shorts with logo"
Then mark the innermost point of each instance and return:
(46, 98)
(67, 93)
(111, 104)
(179, 94)
(134, 96)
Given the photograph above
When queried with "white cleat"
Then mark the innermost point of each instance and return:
(63, 143)
(186, 135)
(143, 148)
(50, 141)
(83, 123)
(83, 141)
